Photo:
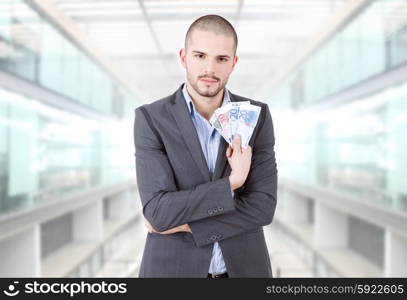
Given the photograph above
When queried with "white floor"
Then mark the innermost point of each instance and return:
(126, 263)
(284, 261)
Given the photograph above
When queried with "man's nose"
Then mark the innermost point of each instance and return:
(210, 67)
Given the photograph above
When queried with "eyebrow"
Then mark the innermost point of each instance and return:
(200, 52)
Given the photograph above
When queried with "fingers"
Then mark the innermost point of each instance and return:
(247, 149)
(148, 225)
(236, 143)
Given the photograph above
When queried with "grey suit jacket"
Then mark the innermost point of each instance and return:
(176, 188)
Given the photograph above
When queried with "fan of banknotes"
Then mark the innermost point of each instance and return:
(236, 118)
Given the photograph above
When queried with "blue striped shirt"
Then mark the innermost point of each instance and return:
(209, 139)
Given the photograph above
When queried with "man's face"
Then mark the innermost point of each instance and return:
(209, 61)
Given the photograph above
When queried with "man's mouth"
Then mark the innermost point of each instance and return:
(208, 81)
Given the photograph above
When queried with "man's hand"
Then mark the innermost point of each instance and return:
(240, 160)
(184, 228)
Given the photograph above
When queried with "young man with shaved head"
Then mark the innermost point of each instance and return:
(204, 201)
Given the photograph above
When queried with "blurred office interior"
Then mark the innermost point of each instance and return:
(333, 72)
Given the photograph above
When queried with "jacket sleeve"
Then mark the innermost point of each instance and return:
(164, 206)
(255, 203)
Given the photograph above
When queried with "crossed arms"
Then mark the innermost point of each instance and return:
(208, 211)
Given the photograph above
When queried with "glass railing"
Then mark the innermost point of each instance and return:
(371, 43)
(46, 153)
(33, 48)
(358, 148)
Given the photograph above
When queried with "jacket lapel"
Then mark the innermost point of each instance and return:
(185, 125)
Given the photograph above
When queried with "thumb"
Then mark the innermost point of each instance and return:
(228, 151)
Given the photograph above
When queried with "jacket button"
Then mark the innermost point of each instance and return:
(215, 210)
(210, 211)
(213, 237)
(220, 208)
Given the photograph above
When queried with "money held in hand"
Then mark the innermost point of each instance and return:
(236, 118)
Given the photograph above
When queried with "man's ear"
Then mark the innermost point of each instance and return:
(182, 56)
(235, 59)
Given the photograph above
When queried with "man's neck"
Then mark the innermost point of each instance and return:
(205, 105)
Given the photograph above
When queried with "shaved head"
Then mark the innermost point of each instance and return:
(212, 23)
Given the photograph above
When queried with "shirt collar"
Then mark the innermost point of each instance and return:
(190, 103)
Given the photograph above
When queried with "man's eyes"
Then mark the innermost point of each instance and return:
(222, 59)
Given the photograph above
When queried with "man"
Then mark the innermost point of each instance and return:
(204, 201)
